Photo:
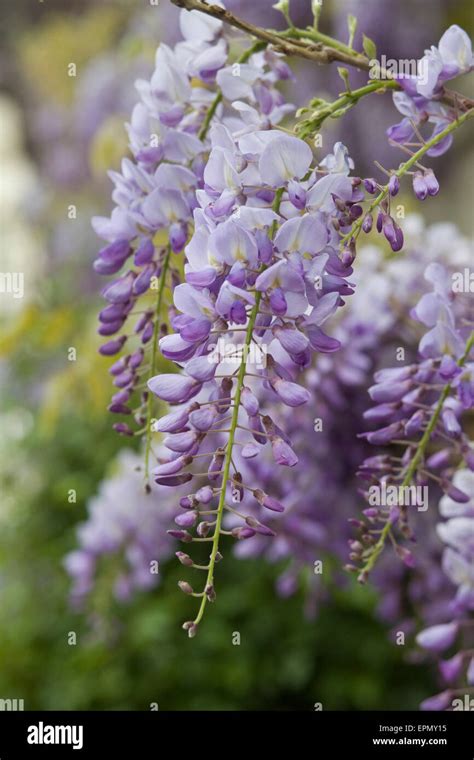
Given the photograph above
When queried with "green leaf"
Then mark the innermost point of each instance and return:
(352, 26)
(351, 23)
(370, 48)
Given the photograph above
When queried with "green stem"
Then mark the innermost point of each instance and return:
(209, 115)
(348, 100)
(228, 457)
(419, 455)
(154, 352)
(404, 168)
(317, 36)
(232, 431)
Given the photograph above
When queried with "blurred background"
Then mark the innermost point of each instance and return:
(59, 134)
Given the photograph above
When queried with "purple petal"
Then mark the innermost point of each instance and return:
(283, 159)
(438, 637)
(320, 341)
(173, 388)
(291, 394)
(283, 453)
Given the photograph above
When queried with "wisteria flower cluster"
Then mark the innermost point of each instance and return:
(415, 405)
(457, 535)
(113, 529)
(234, 243)
(421, 96)
(153, 193)
(273, 268)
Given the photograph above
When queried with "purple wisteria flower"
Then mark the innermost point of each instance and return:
(113, 529)
(262, 275)
(457, 535)
(420, 100)
(417, 405)
(155, 198)
(319, 494)
(266, 237)
(156, 192)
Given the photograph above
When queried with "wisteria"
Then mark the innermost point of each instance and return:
(421, 96)
(457, 535)
(323, 493)
(278, 275)
(235, 239)
(155, 197)
(417, 404)
(112, 529)
(237, 364)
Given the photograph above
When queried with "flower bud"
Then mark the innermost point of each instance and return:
(181, 535)
(370, 185)
(367, 223)
(420, 188)
(185, 559)
(431, 182)
(393, 185)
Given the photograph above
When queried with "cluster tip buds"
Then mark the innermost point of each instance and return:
(268, 501)
(425, 184)
(185, 587)
(190, 627)
(406, 556)
(210, 593)
(367, 223)
(185, 559)
(370, 185)
(393, 185)
(181, 535)
(392, 232)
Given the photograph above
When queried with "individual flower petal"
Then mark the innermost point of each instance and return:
(455, 49)
(304, 234)
(438, 702)
(230, 243)
(284, 158)
(291, 394)
(437, 638)
(283, 453)
(173, 388)
(451, 669)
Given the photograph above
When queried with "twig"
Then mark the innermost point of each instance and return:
(314, 51)
(321, 48)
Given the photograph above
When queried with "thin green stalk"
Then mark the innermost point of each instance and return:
(209, 115)
(419, 454)
(232, 431)
(345, 101)
(404, 168)
(154, 352)
(317, 36)
(228, 457)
